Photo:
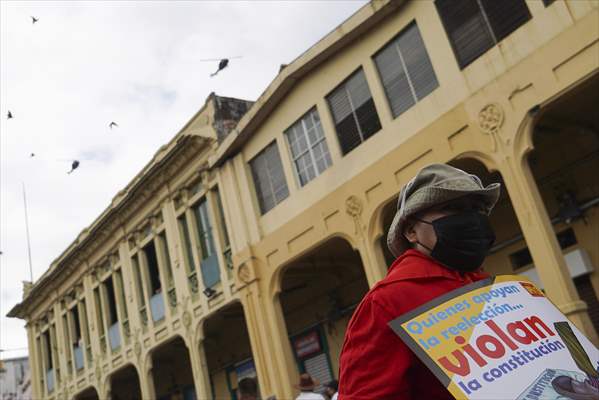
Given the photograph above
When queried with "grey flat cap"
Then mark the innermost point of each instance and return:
(433, 185)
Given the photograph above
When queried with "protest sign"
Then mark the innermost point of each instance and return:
(501, 338)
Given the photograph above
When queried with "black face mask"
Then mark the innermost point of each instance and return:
(463, 240)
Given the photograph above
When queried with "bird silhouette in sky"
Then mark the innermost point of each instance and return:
(34, 20)
(9, 116)
(112, 124)
(74, 166)
(222, 63)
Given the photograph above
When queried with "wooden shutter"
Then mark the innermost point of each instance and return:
(269, 178)
(505, 16)
(363, 104)
(318, 367)
(420, 70)
(345, 121)
(394, 79)
(260, 175)
(405, 70)
(466, 28)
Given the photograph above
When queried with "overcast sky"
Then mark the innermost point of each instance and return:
(85, 64)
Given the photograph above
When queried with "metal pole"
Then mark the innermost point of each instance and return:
(27, 230)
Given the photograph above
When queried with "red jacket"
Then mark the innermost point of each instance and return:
(375, 364)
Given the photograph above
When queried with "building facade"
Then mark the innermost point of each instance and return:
(245, 244)
(14, 379)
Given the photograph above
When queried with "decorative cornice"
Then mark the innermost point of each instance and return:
(165, 165)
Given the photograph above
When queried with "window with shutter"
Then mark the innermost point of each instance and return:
(209, 259)
(474, 26)
(308, 147)
(269, 178)
(354, 112)
(405, 70)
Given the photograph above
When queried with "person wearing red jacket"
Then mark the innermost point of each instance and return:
(440, 236)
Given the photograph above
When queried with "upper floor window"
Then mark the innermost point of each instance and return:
(354, 112)
(308, 147)
(405, 70)
(208, 258)
(474, 26)
(269, 178)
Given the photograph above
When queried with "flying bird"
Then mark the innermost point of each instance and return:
(222, 63)
(34, 20)
(9, 116)
(74, 166)
(113, 124)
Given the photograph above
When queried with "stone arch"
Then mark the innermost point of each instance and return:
(89, 393)
(169, 366)
(124, 383)
(227, 350)
(274, 286)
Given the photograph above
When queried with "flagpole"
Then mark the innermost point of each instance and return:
(27, 230)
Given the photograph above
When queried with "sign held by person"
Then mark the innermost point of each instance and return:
(502, 338)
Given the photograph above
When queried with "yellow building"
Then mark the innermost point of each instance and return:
(243, 247)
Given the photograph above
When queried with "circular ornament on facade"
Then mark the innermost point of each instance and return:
(353, 206)
(244, 273)
(490, 118)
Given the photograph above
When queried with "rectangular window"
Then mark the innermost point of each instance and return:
(186, 242)
(308, 146)
(406, 70)
(224, 233)
(139, 289)
(121, 291)
(112, 313)
(204, 229)
(76, 338)
(85, 324)
(209, 259)
(269, 178)
(67, 341)
(166, 258)
(474, 26)
(54, 355)
(353, 112)
(221, 218)
(48, 361)
(76, 331)
(83, 316)
(149, 251)
(39, 353)
(99, 311)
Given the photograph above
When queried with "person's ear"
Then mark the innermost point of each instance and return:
(410, 233)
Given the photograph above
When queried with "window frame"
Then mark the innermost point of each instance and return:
(343, 83)
(487, 24)
(310, 146)
(394, 41)
(257, 192)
